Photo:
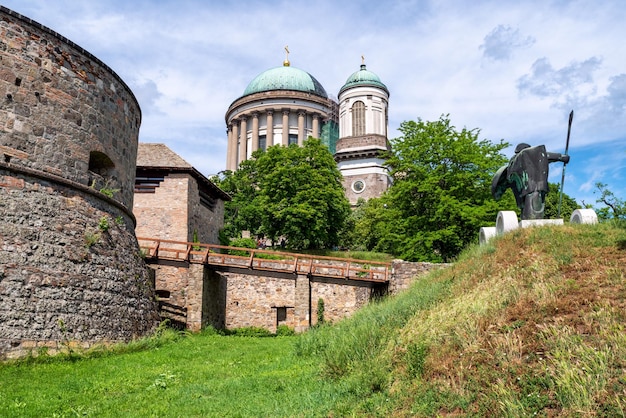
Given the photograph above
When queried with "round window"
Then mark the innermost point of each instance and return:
(358, 186)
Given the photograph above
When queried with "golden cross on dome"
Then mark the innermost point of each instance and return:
(286, 62)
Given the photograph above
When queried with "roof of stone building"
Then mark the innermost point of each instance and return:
(363, 77)
(285, 78)
(159, 155)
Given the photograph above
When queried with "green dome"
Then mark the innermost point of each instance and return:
(285, 78)
(363, 77)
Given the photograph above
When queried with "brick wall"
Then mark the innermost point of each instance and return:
(164, 213)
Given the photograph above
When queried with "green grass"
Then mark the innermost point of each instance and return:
(532, 324)
(197, 375)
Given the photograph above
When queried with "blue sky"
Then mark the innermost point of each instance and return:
(512, 69)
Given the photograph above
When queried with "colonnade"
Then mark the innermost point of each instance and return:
(248, 126)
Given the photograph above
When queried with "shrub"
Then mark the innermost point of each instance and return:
(284, 331)
(242, 243)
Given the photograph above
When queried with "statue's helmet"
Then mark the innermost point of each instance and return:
(521, 147)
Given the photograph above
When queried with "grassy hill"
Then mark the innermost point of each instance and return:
(533, 324)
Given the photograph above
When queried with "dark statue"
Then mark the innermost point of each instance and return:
(527, 176)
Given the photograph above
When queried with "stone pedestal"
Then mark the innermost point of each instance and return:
(527, 223)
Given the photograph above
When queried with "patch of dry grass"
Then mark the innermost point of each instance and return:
(534, 325)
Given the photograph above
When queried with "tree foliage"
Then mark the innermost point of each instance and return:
(440, 196)
(568, 204)
(614, 207)
(291, 192)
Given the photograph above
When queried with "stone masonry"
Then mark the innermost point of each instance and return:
(227, 300)
(70, 269)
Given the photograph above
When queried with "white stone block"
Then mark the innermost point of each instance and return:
(506, 221)
(527, 223)
(584, 216)
(486, 233)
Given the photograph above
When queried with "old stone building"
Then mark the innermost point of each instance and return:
(70, 266)
(286, 105)
(174, 201)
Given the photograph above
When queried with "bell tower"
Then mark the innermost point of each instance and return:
(363, 126)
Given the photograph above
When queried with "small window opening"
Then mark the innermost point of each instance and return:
(163, 294)
(281, 315)
(101, 164)
(18, 81)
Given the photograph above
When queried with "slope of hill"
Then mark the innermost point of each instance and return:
(532, 324)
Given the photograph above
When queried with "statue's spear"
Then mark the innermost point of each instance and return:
(569, 130)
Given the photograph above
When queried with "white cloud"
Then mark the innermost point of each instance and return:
(502, 41)
(187, 60)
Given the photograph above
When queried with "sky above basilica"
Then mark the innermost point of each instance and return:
(512, 69)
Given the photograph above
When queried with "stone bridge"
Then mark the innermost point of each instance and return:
(226, 287)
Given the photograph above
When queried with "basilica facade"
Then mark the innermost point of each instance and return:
(286, 105)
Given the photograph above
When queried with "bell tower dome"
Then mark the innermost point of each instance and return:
(363, 126)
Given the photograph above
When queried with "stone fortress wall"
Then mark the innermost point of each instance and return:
(70, 268)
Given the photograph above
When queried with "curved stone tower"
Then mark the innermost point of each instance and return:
(70, 267)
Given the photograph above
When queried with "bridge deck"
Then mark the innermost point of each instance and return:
(220, 256)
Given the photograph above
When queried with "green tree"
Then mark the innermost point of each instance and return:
(568, 203)
(291, 192)
(614, 207)
(440, 196)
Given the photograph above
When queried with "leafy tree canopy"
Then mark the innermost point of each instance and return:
(291, 192)
(613, 207)
(568, 204)
(440, 196)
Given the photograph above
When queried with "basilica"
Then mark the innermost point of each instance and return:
(285, 105)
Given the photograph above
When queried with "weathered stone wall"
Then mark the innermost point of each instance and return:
(164, 213)
(63, 111)
(351, 142)
(233, 300)
(206, 222)
(340, 301)
(252, 300)
(375, 185)
(70, 269)
(174, 212)
(405, 272)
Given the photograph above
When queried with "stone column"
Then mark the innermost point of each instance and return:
(229, 146)
(235, 139)
(195, 290)
(301, 137)
(286, 127)
(270, 128)
(243, 140)
(302, 309)
(255, 131)
(316, 126)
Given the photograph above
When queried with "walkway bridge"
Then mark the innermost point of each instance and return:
(225, 258)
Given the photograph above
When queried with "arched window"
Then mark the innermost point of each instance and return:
(358, 118)
(101, 164)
